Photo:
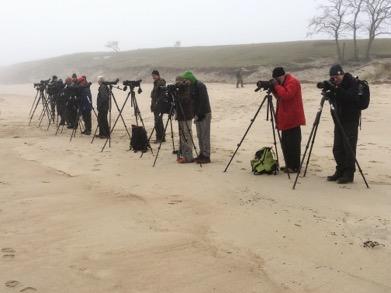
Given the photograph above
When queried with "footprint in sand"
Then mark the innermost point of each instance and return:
(8, 253)
(28, 290)
(12, 284)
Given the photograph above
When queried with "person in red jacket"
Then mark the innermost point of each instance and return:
(289, 116)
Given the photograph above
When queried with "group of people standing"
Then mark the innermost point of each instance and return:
(74, 100)
(290, 116)
(192, 105)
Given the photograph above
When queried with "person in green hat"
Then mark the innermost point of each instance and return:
(203, 115)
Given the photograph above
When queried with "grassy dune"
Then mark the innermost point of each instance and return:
(206, 60)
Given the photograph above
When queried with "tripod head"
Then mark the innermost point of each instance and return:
(132, 84)
(111, 83)
(42, 85)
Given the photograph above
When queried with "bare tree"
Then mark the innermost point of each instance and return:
(379, 14)
(355, 8)
(332, 22)
(113, 45)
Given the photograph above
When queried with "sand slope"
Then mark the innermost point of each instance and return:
(73, 219)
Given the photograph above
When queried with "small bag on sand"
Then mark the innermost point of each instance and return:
(264, 162)
(139, 140)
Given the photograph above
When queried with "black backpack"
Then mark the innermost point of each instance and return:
(139, 140)
(364, 94)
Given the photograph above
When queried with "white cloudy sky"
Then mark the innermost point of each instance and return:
(32, 29)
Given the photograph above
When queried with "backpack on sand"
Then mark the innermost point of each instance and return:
(139, 140)
(264, 162)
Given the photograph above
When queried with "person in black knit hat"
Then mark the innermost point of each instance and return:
(348, 112)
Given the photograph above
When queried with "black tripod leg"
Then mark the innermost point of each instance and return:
(347, 142)
(164, 133)
(35, 109)
(273, 120)
(174, 151)
(33, 105)
(120, 114)
(311, 142)
(315, 131)
(245, 134)
(116, 121)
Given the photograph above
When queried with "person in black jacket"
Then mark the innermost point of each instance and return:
(203, 115)
(184, 116)
(103, 104)
(347, 110)
(155, 109)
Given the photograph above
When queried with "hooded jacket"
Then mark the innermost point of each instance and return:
(346, 99)
(290, 109)
(199, 95)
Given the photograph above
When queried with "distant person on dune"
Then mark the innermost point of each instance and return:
(239, 78)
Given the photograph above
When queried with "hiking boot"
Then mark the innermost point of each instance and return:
(86, 132)
(335, 177)
(184, 161)
(203, 160)
(345, 179)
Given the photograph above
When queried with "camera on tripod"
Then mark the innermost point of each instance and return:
(114, 82)
(132, 84)
(264, 85)
(327, 85)
(43, 84)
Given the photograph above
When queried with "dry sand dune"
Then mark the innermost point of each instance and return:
(73, 219)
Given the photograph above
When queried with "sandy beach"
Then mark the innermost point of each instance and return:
(73, 219)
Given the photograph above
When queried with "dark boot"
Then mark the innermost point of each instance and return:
(335, 177)
(345, 179)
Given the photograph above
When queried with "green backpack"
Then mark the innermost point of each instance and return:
(265, 162)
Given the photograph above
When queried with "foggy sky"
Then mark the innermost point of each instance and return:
(38, 29)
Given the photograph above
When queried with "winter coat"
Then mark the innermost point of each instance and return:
(290, 110)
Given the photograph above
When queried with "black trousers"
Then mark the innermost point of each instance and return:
(87, 121)
(103, 123)
(71, 114)
(239, 82)
(159, 127)
(343, 155)
(291, 146)
(61, 110)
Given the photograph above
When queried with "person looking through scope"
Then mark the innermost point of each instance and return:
(184, 116)
(85, 103)
(103, 104)
(345, 100)
(289, 116)
(156, 95)
(203, 115)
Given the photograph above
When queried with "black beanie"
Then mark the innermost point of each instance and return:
(278, 71)
(155, 72)
(336, 70)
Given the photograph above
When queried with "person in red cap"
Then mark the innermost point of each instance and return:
(289, 116)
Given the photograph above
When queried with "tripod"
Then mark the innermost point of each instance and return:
(174, 103)
(40, 98)
(270, 115)
(137, 113)
(314, 131)
(174, 151)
